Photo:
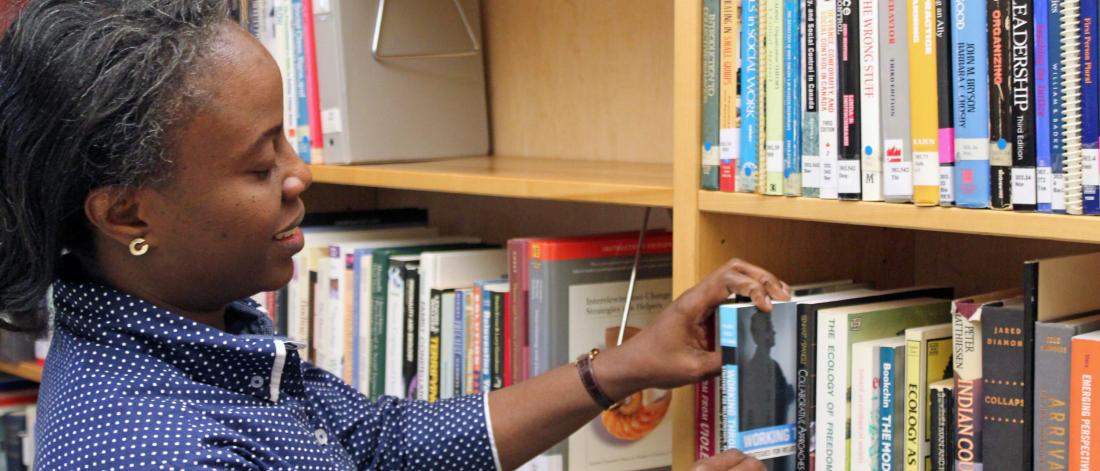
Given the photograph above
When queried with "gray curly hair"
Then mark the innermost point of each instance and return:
(88, 92)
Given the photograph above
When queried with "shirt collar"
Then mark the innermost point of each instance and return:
(245, 358)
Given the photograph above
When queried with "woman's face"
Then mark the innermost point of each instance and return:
(225, 224)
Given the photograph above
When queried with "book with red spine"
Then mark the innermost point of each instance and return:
(313, 94)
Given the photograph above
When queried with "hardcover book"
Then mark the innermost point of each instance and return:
(1053, 351)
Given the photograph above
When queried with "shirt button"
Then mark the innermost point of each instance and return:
(257, 381)
(322, 436)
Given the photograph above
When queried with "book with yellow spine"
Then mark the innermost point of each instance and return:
(773, 96)
(927, 360)
(924, 104)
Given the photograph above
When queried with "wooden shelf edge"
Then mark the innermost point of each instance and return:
(26, 370)
(1052, 227)
(447, 177)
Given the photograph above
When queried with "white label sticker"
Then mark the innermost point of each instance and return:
(811, 171)
(899, 179)
(848, 176)
(1090, 168)
(926, 167)
(775, 156)
(947, 185)
(729, 143)
(828, 178)
(1044, 180)
(1058, 200)
(1023, 186)
(331, 122)
(322, 7)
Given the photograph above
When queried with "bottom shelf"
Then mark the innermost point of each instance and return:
(27, 370)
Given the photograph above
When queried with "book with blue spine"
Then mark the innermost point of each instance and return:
(487, 330)
(811, 162)
(710, 136)
(774, 103)
(891, 410)
(459, 364)
(1043, 127)
(1090, 107)
(1057, 123)
(748, 171)
(301, 141)
(971, 55)
(792, 103)
(759, 355)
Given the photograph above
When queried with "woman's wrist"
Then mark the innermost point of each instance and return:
(618, 374)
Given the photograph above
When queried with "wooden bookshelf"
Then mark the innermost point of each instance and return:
(907, 216)
(27, 370)
(632, 183)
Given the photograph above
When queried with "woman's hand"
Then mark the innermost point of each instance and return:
(672, 351)
(732, 460)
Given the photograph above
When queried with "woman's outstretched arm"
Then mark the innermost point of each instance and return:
(530, 417)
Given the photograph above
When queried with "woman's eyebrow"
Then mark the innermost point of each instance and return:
(262, 139)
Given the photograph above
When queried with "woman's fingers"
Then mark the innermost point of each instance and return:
(775, 288)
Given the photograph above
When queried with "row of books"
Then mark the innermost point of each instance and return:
(18, 398)
(972, 103)
(910, 379)
(394, 308)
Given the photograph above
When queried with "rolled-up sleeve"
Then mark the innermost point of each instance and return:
(398, 434)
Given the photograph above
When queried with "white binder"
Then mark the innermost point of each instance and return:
(400, 80)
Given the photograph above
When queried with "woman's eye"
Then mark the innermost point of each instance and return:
(265, 173)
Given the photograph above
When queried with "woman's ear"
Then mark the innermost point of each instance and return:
(117, 212)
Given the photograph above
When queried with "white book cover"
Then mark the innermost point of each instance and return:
(317, 240)
(639, 434)
(866, 379)
(870, 100)
(450, 269)
(827, 94)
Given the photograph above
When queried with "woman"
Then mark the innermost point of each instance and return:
(143, 140)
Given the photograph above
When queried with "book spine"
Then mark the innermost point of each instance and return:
(710, 147)
(805, 389)
(939, 434)
(379, 325)
(762, 102)
(792, 103)
(1084, 369)
(1090, 107)
(924, 103)
(430, 366)
(751, 95)
(1043, 125)
(301, 142)
(865, 391)
(946, 106)
(971, 104)
(887, 426)
(413, 382)
(499, 339)
(811, 160)
(897, 185)
(488, 341)
(727, 343)
(1023, 104)
(773, 96)
(1007, 407)
(827, 95)
(508, 345)
(313, 94)
(459, 366)
(517, 334)
(832, 414)
(1001, 131)
(915, 403)
(870, 100)
(1057, 123)
(395, 355)
(848, 78)
(538, 325)
(967, 352)
(1052, 395)
(729, 117)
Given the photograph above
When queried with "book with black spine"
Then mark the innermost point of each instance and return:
(946, 94)
(1002, 135)
(1023, 105)
(848, 119)
(943, 425)
(1053, 351)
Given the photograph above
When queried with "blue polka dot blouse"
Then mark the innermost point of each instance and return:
(131, 385)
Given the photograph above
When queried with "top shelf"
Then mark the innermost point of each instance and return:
(642, 184)
(906, 216)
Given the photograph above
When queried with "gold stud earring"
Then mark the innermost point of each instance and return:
(138, 247)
